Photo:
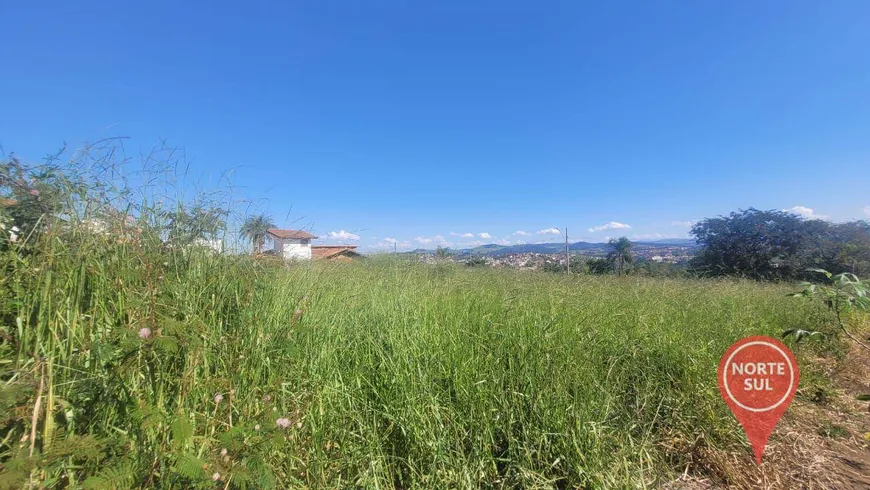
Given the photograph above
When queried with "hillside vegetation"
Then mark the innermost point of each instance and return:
(129, 364)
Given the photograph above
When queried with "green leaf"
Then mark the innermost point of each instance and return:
(182, 431)
(166, 344)
(821, 271)
(189, 466)
(121, 475)
(863, 398)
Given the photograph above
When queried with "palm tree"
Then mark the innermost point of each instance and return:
(620, 254)
(255, 229)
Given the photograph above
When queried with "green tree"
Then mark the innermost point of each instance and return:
(764, 245)
(199, 221)
(599, 266)
(851, 251)
(620, 254)
(255, 229)
(779, 245)
(476, 261)
(578, 265)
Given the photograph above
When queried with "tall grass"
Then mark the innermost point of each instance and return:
(130, 364)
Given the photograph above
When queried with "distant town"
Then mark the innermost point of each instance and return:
(665, 252)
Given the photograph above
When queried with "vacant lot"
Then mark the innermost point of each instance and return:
(130, 365)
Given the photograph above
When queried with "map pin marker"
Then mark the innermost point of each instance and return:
(758, 377)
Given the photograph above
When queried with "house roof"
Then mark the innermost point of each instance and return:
(291, 234)
(330, 251)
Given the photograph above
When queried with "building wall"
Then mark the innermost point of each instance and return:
(216, 245)
(296, 249)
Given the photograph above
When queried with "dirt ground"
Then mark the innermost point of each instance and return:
(824, 444)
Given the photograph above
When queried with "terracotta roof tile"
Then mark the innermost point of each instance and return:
(291, 234)
(329, 251)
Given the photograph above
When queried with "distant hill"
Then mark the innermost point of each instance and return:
(670, 242)
(493, 250)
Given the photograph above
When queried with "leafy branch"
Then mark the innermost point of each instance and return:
(842, 293)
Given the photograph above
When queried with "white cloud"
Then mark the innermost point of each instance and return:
(463, 235)
(503, 242)
(867, 210)
(805, 212)
(523, 233)
(343, 235)
(684, 224)
(437, 239)
(484, 235)
(390, 242)
(549, 231)
(613, 225)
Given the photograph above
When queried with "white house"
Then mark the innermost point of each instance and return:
(291, 244)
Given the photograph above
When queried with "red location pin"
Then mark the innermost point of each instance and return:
(758, 377)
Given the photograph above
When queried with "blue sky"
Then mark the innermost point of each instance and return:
(428, 122)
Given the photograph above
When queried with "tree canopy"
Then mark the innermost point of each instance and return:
(778, 245)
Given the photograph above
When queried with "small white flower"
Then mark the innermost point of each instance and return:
(218, 398)
(216, 476)
(223, 452)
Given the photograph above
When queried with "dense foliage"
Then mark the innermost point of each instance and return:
(777, 245)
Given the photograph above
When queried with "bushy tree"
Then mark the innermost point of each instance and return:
(751, 243)
(599, 265)
(778, 245)
(851, 252)
(198, 221)
(553, 266)
(476, 261)
(578, 266)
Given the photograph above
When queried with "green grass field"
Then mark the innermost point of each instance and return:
(378, 374)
